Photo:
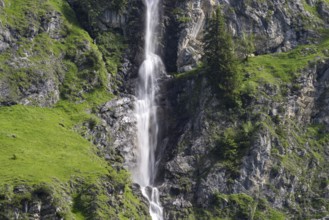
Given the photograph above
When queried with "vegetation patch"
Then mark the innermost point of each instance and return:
(231, 146)
(65, 54)
(280, 69)
(238, 206)
(112, 46)
(38, 144)
(43, 154)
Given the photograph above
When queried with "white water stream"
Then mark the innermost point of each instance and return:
(146, 113)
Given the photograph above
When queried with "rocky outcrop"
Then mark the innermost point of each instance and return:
(40, 56)
(64, 201)
(25, 202)
(323, 10)
(6, 38)
(196, 168)
(321, 93)
(194, 171)
(124, 19)
(29, 84)
(119, 116)
(272, 151)
(274, 26)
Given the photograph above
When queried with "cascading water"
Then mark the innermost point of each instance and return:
(146, 113)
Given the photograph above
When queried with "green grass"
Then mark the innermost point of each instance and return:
(112, 46)
(15, 13)
(80, 112)
(73, 58)
(237, 206)
(313, 11)
(281, 68)
(38, 144)
(189, 74)
(44, 147)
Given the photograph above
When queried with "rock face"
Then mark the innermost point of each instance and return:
(38, 85)
(128, 22)
(194, 171)
(6, 39)
(319, 114)
(121, 121)
(277, 165)
(46, 201)
(266, 160)
(41, 205)
(273, 159)
(38, 59)
(45, 56)
(189, 46)
(274, 25)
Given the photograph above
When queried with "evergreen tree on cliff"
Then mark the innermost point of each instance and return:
(220, 58)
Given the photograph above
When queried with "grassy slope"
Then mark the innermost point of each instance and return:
(37, 145)
(282, 65)
(74, 58)
(282, 68)
(44, 148)
(40, 145)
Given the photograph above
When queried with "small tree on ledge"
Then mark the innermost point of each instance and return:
(220, 60)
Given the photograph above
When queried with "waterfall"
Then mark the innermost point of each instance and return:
(146, 113)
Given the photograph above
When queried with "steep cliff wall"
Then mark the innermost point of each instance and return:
(266, 159)
(275, 26)
(54, 79)
(44, 55)
(243, 163)
(254, 162)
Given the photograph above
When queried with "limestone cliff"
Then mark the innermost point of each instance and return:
(266, 159)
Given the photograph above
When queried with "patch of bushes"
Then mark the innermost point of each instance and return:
(232, 144)
(111, 46)
(238, 206)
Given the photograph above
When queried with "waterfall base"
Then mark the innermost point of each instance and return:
(152, 195)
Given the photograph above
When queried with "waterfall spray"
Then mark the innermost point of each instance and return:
(146, 113)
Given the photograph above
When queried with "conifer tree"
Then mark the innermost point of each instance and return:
(220, 58)
(246, 45)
